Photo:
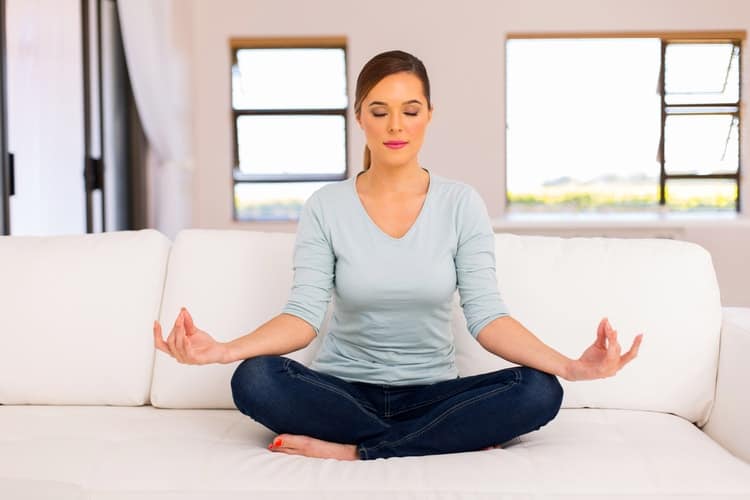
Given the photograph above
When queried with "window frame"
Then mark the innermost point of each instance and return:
(669, 110)
(239, 177)
(737, 38)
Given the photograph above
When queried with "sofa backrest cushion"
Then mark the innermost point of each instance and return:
(77, 315)
(560, 288)
(231, 282)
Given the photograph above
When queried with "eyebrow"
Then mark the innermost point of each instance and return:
(415, 101)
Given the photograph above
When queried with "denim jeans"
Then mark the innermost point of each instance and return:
(462, 414)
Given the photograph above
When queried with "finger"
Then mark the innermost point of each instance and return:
(177, 319)
(172, 339)
(608, 331)
(188, 319)
(185, 342)
(613, 353)
(180, 338)
(633, 352)
(601, 334)
(607, 325)
(159, 340)
(611, 362)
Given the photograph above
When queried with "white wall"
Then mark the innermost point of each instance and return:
(462, 46)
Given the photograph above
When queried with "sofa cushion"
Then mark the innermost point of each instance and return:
(77, 316)
(560, 288)
(231, 282)
(35, 489)
(144, 453)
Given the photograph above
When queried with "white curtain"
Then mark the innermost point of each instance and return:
(156, 36)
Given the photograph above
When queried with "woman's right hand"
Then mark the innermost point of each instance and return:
(189, 344)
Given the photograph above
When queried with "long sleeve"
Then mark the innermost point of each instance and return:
(313, 267)
(475, 264)
(394, 297)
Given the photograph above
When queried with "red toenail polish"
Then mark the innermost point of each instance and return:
(277, 442)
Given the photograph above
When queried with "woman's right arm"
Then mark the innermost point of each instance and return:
(280, 335)
(189, 344)
(287, 332)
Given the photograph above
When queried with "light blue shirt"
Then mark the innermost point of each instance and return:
(390, 322)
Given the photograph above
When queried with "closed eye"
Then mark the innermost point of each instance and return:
(381, 115)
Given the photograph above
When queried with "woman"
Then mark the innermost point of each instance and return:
(393, 244)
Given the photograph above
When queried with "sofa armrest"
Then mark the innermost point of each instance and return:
(727, 423)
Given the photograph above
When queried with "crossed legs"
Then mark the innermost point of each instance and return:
(317, 414)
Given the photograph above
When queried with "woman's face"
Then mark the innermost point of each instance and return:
(395, 110)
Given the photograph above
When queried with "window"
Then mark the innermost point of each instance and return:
(289, 106)
(623, 124)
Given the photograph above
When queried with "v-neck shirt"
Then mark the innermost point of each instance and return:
(392, 297)
(367, 215)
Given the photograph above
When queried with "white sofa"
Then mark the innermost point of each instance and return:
(90, 410)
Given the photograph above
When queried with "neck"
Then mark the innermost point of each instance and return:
(395, 180)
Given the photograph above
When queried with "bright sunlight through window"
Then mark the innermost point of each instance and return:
(586, 118)
(289, 107)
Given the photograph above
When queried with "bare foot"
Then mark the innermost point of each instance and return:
(295, 444)
(492, 447)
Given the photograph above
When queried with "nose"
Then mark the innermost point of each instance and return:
(394, 123)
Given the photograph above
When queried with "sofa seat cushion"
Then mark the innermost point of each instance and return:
(147, 453)
(36, 489)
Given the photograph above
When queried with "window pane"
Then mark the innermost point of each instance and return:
(289, 78)
(701, 194)
(602, 195)
(701, 144)
(299, 144)
(701, 73)
(583, 123)
(272, 200)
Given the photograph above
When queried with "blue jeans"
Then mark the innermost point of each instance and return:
(462, 414)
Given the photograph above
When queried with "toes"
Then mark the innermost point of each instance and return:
(287, 441)
(278, 442)
(282, 443)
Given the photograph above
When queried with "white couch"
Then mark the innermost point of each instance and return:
(90, 410)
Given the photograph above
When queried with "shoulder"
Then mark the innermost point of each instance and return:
(459, 192)
(335, 189)
(329, 195)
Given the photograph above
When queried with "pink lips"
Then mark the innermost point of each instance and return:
(395, 144)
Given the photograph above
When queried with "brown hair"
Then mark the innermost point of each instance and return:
(380, 66)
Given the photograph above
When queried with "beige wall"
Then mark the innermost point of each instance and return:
(462, 46)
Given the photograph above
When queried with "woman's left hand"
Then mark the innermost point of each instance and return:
(602, 359)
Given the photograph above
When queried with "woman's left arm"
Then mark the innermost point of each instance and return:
(510, 340)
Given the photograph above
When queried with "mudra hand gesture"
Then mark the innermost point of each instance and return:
(602, 359)
(189, 344)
